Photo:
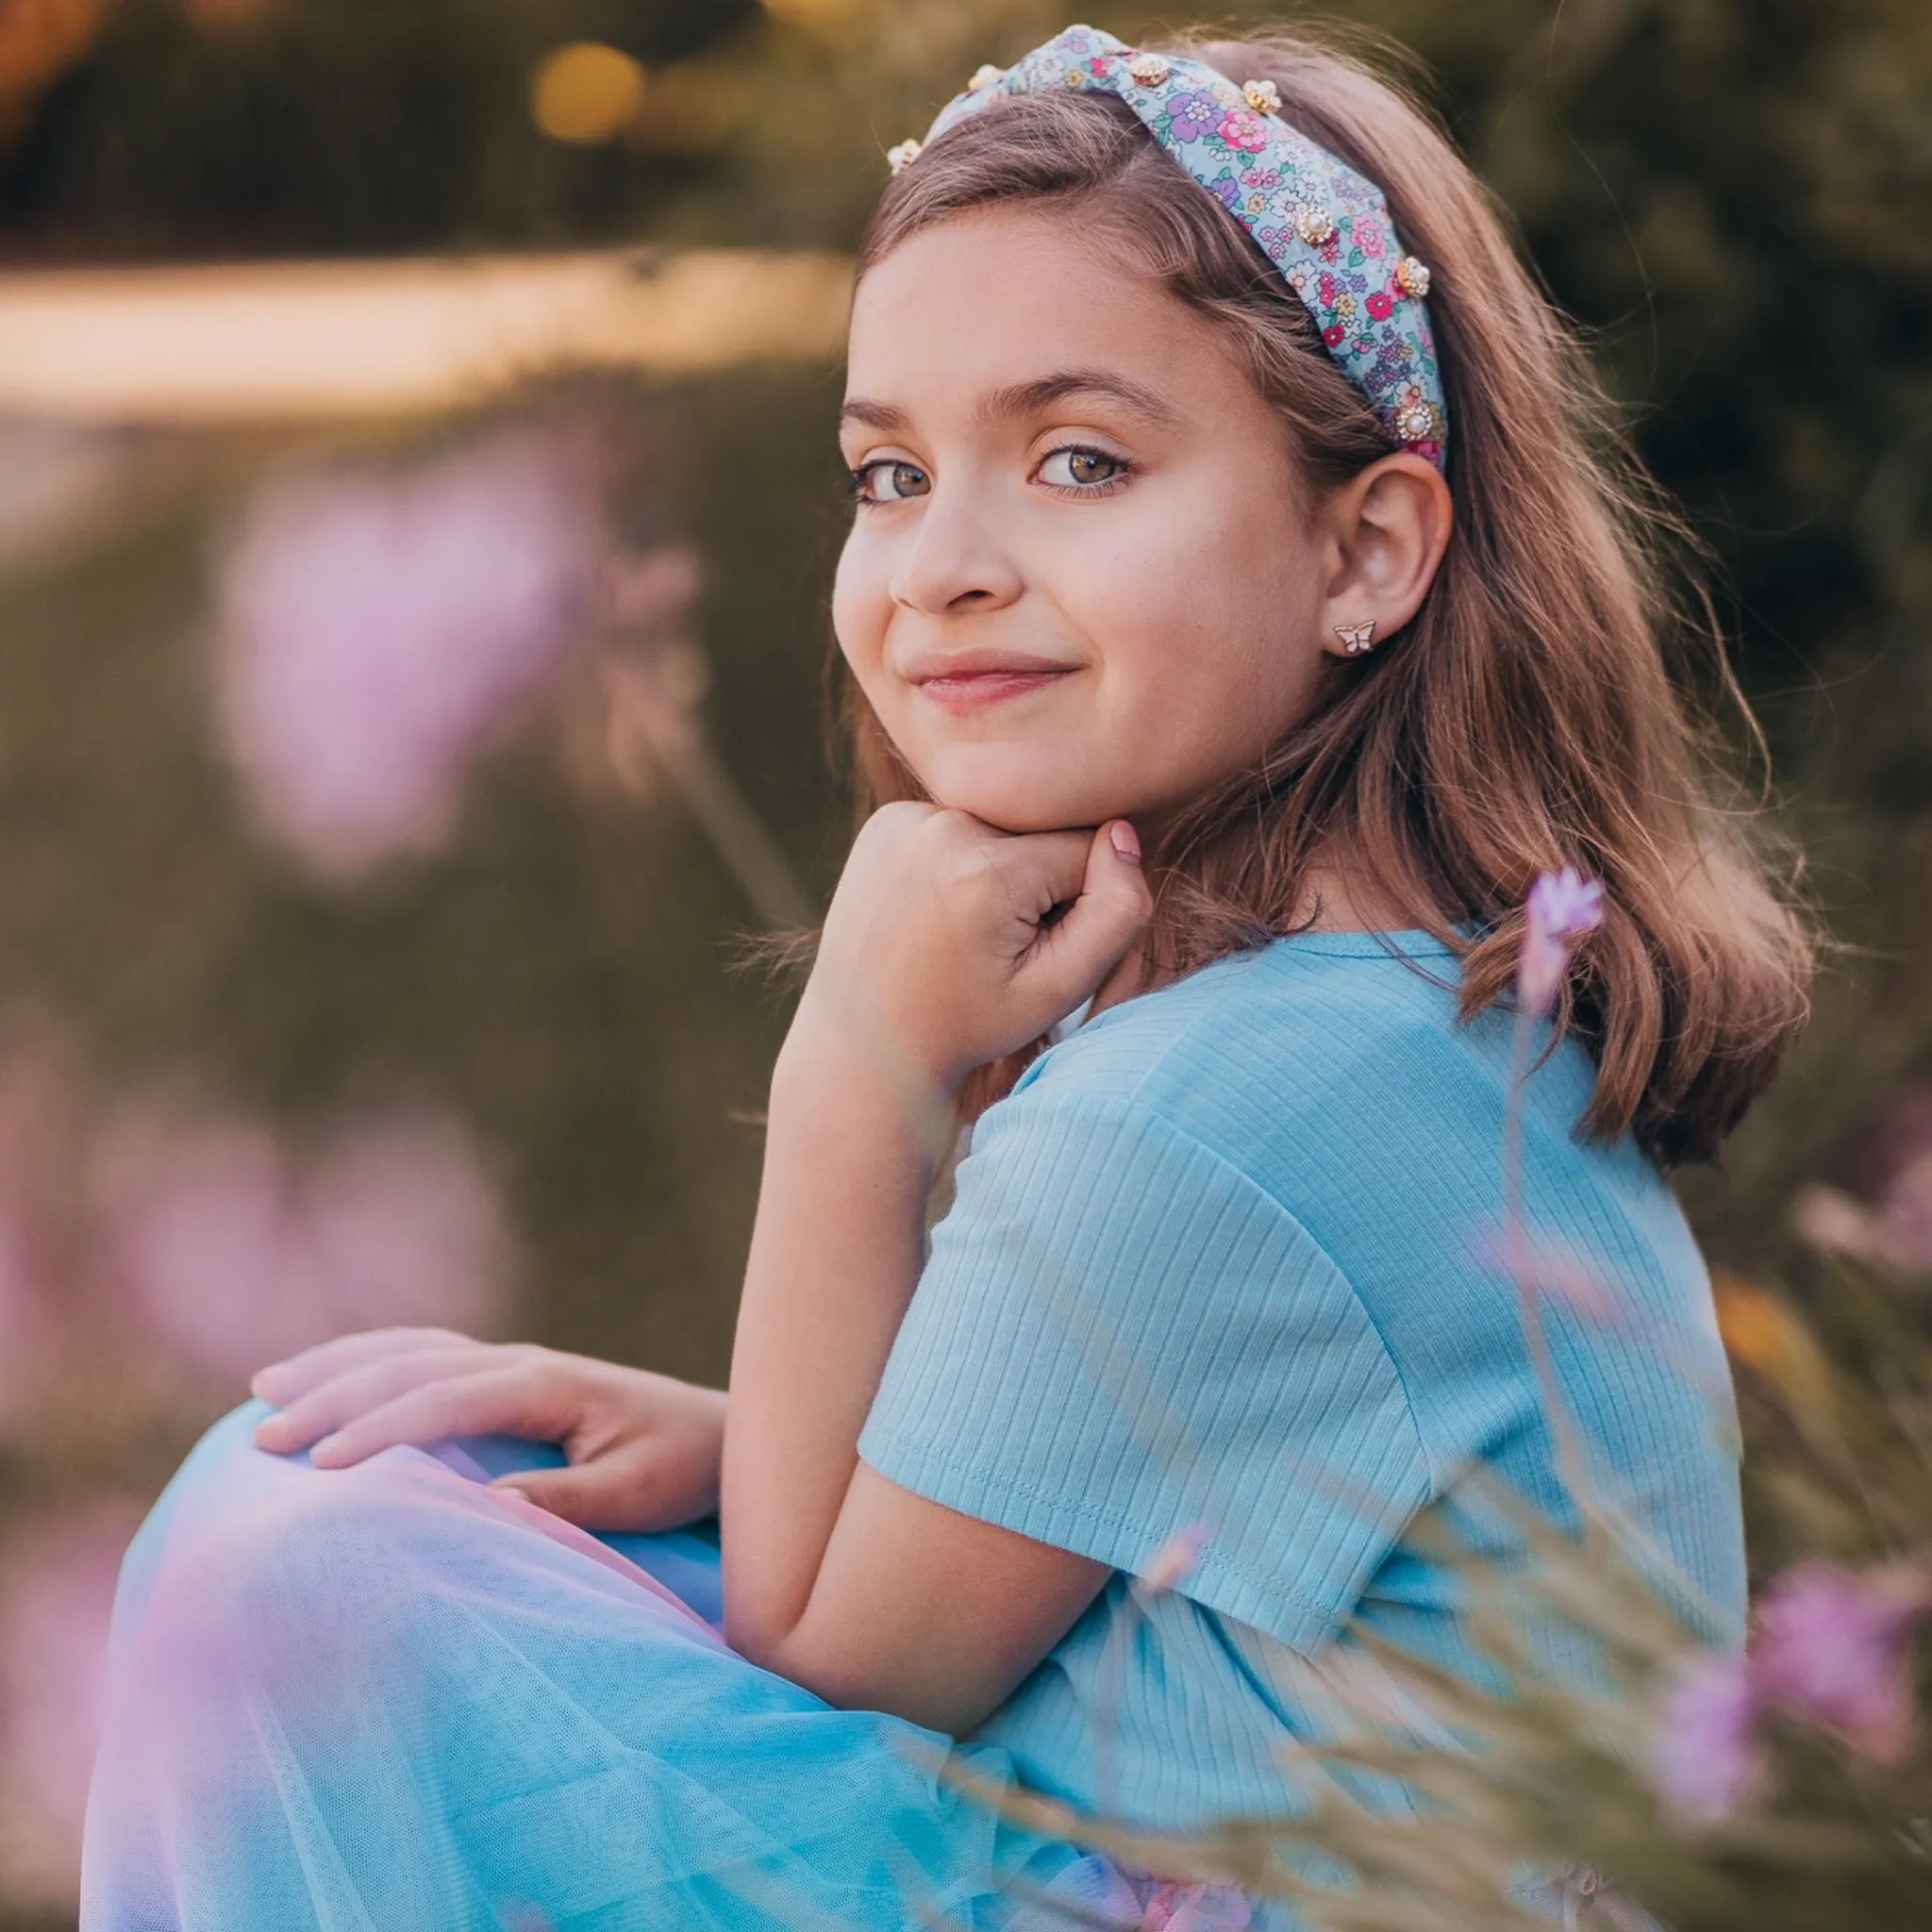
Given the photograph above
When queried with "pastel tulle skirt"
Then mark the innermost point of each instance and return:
(393, 1699)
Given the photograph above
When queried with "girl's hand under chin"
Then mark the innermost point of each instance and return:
(949, 944)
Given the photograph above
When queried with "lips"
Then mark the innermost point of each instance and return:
(964, 691)
(968, 683)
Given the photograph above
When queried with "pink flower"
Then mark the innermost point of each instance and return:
(1835, 1647)
(236, 1254)
(23, 1301)
(1562, 907)
(380, 629)
(1244, 130)
(1705, 1761)
(1179, 1906)
(1334, 335)
(1381, 305)
(1173, 1560)
(55, 1597)
(1368, 236)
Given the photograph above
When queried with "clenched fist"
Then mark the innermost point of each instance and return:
(949, 944)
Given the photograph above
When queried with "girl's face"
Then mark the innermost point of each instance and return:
(1083, 579)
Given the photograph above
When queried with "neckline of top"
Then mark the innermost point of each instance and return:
(1404, 945)
(1404, 942)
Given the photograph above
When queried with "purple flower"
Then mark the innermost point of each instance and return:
(1562, 907)
(380, 629)
(1704, 1760)
(1835, 1647)
(1192, 115)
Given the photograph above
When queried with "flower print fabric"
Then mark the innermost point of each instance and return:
(1323, 224)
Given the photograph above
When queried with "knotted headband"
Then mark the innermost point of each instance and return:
(1323, 225)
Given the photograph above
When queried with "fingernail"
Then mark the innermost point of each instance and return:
(1126, 841)
(326, 1447)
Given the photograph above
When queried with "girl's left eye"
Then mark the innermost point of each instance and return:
(1082, 469)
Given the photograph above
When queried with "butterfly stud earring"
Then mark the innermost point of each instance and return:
(1356, 638)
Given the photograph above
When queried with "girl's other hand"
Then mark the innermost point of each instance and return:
(643, 1449)
(951, 943)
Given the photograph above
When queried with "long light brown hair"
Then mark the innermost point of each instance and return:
(1528, 718)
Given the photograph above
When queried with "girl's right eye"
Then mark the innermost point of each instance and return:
(903, 480)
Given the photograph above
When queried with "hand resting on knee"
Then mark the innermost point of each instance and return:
(642, 1449)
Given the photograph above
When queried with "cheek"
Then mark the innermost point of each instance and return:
(1210, 630)
(860, 609)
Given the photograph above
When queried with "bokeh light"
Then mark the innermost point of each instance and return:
(587, 92)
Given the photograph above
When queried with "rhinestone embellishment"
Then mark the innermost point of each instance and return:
(1314, 225)
(1415, 417)
(897, 156)
(1327, 227)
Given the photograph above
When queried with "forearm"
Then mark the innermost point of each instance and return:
(835, 1253)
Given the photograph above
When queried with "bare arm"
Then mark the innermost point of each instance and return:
(936, 958)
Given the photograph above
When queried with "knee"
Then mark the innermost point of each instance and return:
(286, 1576)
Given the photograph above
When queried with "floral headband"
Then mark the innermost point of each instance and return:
(1323, 225)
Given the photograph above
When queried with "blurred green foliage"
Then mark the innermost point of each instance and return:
(216, 127)
(1732, 195)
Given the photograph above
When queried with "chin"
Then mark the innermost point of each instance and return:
(1019, 796)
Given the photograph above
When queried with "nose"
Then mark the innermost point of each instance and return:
(953, 559)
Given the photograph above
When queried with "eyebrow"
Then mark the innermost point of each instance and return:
(1025, 399)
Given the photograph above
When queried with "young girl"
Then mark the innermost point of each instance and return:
(1226, 494)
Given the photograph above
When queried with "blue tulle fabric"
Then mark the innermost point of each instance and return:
(394, 1699)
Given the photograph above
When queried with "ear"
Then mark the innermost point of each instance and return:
(1387, 529)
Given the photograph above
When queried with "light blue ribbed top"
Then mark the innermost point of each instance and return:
(1227, 1255)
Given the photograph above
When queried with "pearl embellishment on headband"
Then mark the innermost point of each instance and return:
(1417, 419)
(1314, 225)
(1324, 226)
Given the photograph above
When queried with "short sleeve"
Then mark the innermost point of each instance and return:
(1118, 1334)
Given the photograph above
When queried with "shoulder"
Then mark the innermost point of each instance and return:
(1322, 1037)
(1332, 1072)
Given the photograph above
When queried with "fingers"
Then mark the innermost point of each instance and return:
(282, 1381)
(500, 1400)
(1108, 915)
(609, 1491)
(358, 1391)
(1037, 869)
